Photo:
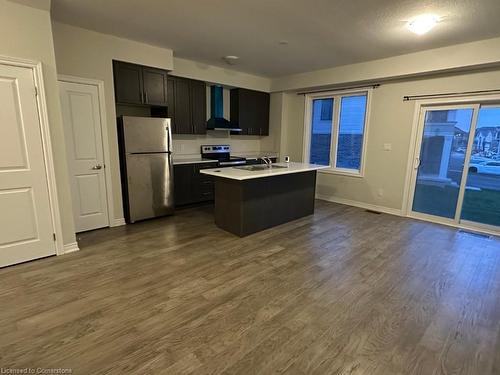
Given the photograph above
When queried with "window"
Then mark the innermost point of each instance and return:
(326, 109)
(321, 132)
(350, 133)
(335, 131)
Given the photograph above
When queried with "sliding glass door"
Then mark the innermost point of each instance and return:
(482, 192)
(456, 177)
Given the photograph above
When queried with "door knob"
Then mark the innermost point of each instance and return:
(97, 167)
(416, 163)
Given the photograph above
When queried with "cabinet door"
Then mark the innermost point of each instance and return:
(170, 101)
(262, 101)
(183, 176)
(128, 83)
(250, 110)
(182, 103)
(203, 185)
(199, 107)
(155, 86)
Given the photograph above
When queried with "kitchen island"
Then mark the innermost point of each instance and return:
(249, 199)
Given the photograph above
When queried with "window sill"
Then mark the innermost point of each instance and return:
(341, 172)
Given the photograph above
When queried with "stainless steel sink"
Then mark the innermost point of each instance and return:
(259, 167)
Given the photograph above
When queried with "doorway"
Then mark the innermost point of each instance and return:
(456, 171)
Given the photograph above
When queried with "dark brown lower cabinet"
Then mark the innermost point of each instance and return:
(249, 206)
(190, 186)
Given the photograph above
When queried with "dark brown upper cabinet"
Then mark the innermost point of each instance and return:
(199, 106)
(250, 111)
(155, 86)
(128, 83)
(182, 107)
(141, 85)
(187, 105)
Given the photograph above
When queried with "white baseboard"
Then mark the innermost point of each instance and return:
(70, 247)
(117, 222)
(366, 206)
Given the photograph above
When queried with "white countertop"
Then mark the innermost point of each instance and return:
(241, 174)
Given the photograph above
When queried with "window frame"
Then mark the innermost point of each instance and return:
(337, 100)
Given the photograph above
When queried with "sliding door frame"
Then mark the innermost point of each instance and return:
(421, 106)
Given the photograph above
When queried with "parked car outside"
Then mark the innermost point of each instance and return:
(486, 167)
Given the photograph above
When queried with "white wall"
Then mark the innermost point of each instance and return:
(185, 145)
(89, 54)
(27, 33)
(215, 74)
(84, 53)
(292, 133)
(390, 121)
(455, 58)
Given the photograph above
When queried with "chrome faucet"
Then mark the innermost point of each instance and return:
(266, 160)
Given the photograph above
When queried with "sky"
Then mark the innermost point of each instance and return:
(489, 116)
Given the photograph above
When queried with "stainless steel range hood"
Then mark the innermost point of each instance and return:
(217, 120)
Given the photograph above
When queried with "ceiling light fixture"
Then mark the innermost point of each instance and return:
(423, 23)
(230, 59)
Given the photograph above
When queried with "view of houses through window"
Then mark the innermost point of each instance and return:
(443, 156)
(482, 193)
(339, 136)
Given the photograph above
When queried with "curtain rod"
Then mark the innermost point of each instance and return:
(448, 94)
(340, 89)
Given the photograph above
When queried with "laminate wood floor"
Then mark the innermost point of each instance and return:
(341, 292)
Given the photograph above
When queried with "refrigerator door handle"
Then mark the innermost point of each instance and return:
(169, 139)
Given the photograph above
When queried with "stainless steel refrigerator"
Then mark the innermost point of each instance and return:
(146, 167)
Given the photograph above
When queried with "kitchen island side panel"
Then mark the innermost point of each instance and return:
(243, 207)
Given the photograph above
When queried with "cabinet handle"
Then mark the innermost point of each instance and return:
(145, 96)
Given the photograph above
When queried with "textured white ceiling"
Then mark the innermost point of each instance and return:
(39, 4)
(321, 33)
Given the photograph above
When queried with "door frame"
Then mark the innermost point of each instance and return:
(416, 135)
(43, 119)
(104, 136)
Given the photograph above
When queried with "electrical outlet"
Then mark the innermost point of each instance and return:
(387, 146)
(380, 192)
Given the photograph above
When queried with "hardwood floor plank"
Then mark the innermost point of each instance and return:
(340, 292)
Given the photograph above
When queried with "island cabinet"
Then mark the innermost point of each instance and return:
(250, 111)
(253, 198)
(139, 85)
(190, 186)
(187, 105)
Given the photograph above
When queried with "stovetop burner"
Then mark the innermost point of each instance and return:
(221, 153)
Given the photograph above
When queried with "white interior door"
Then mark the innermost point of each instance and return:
(82, 129)
(26, 228)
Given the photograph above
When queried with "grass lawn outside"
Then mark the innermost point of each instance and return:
(481, 206)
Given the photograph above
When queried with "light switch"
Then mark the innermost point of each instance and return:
(387, 146)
